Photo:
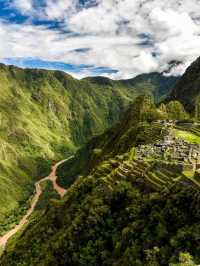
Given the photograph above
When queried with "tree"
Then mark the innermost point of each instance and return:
(185, 259)
(176, 111)
(151, 257)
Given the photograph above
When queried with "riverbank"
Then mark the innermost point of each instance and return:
(38, 192)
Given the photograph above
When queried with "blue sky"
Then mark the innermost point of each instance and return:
(115, 38)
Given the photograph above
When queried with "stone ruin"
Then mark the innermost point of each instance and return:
(172, 149)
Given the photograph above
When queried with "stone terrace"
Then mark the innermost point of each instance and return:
(171, 149)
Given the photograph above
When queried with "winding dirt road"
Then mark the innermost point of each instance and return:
(38, 191)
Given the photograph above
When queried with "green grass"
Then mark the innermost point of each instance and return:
(189, 174)
(187, 136)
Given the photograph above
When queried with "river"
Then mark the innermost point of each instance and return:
(38, 191)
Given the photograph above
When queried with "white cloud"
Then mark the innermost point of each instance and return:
(98, 20)
(25, 6)
(59, 9)
(112, 30)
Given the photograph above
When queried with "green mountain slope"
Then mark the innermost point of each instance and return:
(187, 89)
(46, 115)
(156, 83)
(118, 210)
(106, 221)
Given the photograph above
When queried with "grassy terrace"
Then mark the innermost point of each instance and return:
(190, 136)
(157, 175)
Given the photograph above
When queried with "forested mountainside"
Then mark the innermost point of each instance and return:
(187, 89)
(46, 115)
(158, 84)
(119, 209)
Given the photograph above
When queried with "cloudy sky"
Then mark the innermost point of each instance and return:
(115, 38)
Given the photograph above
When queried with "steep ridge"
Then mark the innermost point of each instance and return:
(122, 210)
(187, 89)
(45, 116)
(156, 83)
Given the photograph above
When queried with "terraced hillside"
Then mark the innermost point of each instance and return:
(121, 201)
(153, 174)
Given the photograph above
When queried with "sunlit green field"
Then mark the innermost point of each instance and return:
(187, 136)
(189, 174)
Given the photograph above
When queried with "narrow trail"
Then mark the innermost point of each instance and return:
(38, 192)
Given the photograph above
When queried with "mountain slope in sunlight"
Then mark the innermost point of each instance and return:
(46, 115)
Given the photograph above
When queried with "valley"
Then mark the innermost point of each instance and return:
(47, 115)
(38, 191)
